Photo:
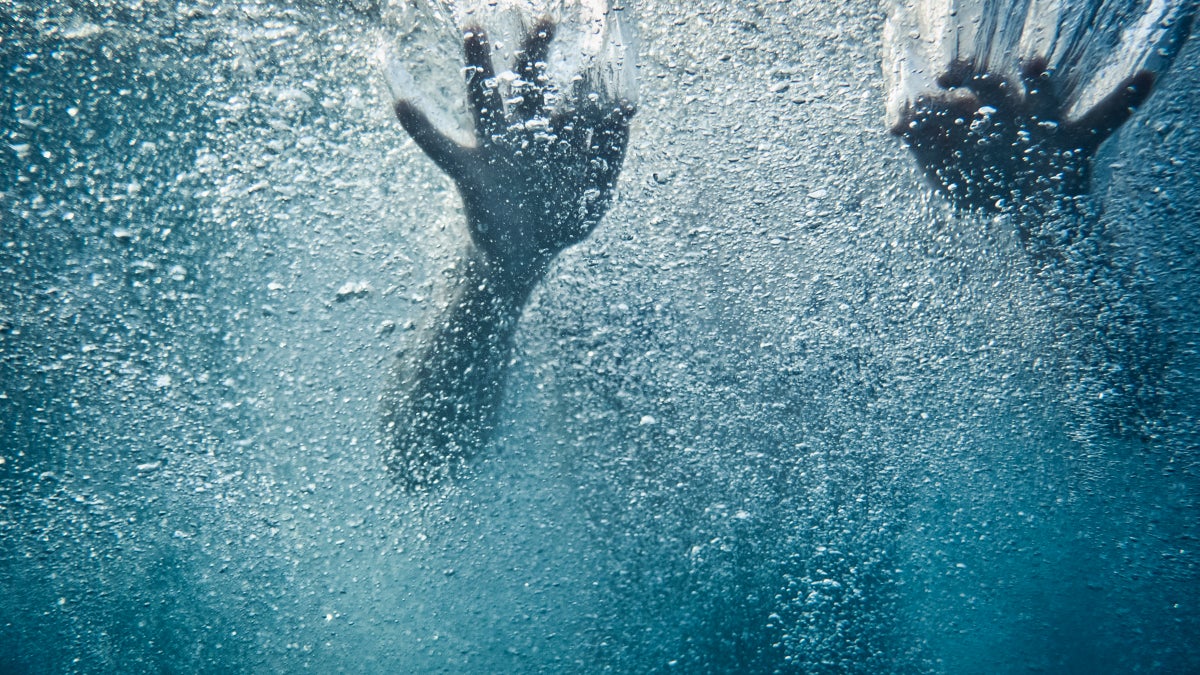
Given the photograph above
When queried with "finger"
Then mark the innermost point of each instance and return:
(987, 88)
(929, 116)
(957, 74)
(607, 145)
(532, 66)
(1039, 90)
(993, 90)
(604, 155)
(1034, 69)
(445, 152)
(535, 48)
(573, 124)
(1115, 109)
(482, 93)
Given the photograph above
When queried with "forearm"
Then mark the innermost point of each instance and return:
(447, 391)
(1105, 324)
(1055, 227)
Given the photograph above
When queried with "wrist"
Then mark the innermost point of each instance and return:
(509, 281)
(1052, 221)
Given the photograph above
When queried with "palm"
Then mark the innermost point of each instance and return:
(989, 142)
(536, 180)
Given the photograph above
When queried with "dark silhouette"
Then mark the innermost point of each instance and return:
(992, 143)
(536, 181)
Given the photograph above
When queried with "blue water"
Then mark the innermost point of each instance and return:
(784, 411)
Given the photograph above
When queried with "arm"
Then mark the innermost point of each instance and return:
(535, 182)
(1008, 147)
(445, 396)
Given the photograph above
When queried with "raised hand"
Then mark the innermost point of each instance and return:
(539, 177)
(993, 143)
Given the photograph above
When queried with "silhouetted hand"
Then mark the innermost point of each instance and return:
(990, 143)
(538, 179)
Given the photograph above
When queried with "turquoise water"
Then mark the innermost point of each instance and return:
(784, 411)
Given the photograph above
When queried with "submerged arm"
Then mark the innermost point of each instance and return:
(447, 393)
(535, 182)
(1007, 145)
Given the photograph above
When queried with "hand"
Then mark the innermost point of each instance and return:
(990, 143)
(538, 179)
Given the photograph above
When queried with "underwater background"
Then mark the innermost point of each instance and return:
(784, 411)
